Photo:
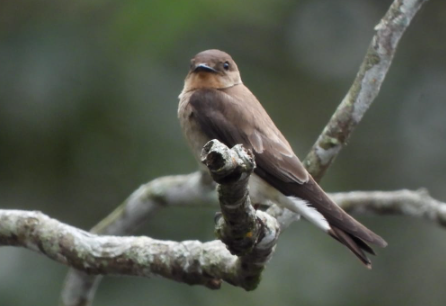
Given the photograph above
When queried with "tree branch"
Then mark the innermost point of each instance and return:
(239, 228)
(405, 202)
(365, 87)
(196, 188)
(191, 262)
(250, 234)
(362, 93)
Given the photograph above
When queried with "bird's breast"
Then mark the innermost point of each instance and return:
(195, 137)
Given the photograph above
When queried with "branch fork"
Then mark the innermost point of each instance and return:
(248, 233)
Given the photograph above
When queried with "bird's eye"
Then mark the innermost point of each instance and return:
(226, 65)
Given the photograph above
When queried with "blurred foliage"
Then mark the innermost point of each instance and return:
(88, 99)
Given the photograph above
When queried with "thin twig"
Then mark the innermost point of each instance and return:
(404, 202)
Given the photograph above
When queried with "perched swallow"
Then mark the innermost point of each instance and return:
(214, 104)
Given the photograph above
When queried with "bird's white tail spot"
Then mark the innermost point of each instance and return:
(307, 211)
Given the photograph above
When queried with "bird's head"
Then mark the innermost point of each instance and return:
(212, 69)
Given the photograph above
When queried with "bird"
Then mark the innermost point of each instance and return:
(215, 104)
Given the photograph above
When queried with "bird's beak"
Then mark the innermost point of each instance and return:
(204, 67)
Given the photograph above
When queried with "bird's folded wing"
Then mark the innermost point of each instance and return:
(245, 122)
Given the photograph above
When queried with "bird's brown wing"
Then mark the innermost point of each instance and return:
(236, 117)
(235, 122)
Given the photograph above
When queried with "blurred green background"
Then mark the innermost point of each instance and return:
(88, 101)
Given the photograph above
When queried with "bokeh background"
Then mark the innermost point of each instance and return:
(88, 101)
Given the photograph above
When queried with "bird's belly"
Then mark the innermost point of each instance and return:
(193, 133)
(196, 140)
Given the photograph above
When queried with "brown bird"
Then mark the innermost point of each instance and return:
(214, 104)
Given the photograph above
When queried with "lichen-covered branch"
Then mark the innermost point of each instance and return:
(193, 189)
(238, 228)
(405, 202)
(411, 203)
(177, 190)
(365, 87)
(190, 262)
(252, 235)
(143, 256)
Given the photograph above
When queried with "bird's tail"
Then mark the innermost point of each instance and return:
(355, 245)
(353, 236)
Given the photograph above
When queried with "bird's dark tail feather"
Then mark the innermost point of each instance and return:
(356, 245)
